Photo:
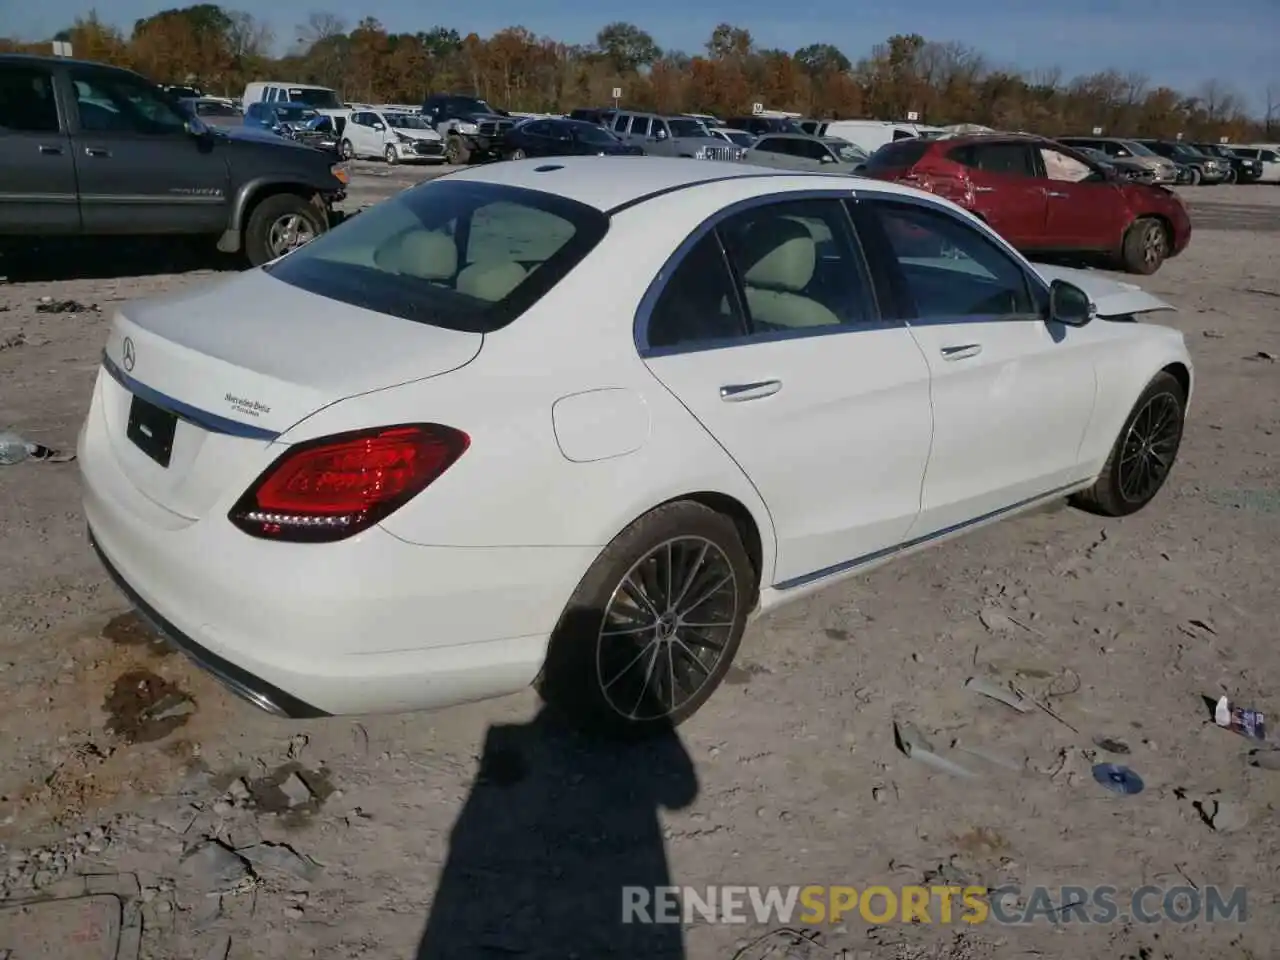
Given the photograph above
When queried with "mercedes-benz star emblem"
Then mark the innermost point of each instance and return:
(127, 355)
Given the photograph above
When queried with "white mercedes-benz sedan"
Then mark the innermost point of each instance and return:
(557, 423)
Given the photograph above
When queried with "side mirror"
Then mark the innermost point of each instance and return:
(1068, 304)
(660, 135)
(379, 127)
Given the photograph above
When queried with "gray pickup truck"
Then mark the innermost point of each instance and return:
(663, 136)
(92, 150)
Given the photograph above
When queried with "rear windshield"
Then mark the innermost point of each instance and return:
(898, 155)
(462, 255)
(315, 97)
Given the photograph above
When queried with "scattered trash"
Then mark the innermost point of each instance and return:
(997, 692)
(1110, 745)
(14, 449)
(1262, 355)
(1247, 723)
(50, 305)
(1117, 779)
(1260, 292)
(1214, 335)
(1023, 694)
(913, 744)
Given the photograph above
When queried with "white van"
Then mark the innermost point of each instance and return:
(324, 99)
(871, 135)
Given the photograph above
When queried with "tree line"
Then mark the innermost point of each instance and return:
(220, 50)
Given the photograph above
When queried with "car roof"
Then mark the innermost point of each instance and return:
(35, 59)
(598, 185)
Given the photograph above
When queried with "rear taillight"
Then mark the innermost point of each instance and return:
(333, 487)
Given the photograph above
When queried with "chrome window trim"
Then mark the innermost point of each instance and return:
(640, 324)
(1039, 287)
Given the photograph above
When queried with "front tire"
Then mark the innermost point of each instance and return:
(1232, 176)
(347, 150)
(390, 155)
(516, 154)
(653, 627)
(1146, 246)
(456, 151)
(1143, 454)
(1194, 177)
(278, 224)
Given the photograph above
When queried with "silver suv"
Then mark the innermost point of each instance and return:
(665, 136)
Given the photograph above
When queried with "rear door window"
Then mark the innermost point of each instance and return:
(466, 256)
(897, 156)
(27, 104)
(1007, 159)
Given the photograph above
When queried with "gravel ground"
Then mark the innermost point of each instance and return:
(127, 773)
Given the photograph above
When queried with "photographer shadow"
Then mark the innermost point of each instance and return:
(556, 826)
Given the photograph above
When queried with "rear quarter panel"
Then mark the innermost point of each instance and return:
(515, 486)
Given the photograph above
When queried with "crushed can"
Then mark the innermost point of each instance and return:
(1247, 723)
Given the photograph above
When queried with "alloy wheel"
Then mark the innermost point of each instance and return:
(666, 628)
(1150, 445)
(348, 152)
(1153, 245)
(288, 233)
(390, 154)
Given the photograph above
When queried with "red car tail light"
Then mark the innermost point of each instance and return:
(333, 487)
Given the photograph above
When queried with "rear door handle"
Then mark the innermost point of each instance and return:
(737, 392)
(97, 151)
(961, 351)
(1053, 193)
(49, 151)
(984, 189)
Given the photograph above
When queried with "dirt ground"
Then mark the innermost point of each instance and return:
(118, 758)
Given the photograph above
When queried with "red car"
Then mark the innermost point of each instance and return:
(1043, 197)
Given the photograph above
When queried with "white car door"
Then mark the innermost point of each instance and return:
(1012, 394)
(786, 362)
(369, 141)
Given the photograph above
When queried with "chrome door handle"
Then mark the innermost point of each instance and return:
(737, 392)
(49, 151)
(97, 151)
(984, 189)
(1052, 193)
(962, 351)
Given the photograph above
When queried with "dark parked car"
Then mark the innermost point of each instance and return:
(564, 138)
(760, 125)
(1243, 169)
(121, 157)
(1200, 167)
(1044, 197)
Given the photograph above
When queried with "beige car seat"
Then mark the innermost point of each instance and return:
(780, 257)
(424, 254)
(491, 280)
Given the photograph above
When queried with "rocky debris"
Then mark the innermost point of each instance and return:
(38, 868)
(211, 867)
(295, 790)
(50, 305)
(282, 857)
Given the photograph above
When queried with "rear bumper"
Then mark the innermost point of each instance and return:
(372, 624)
(243, 684)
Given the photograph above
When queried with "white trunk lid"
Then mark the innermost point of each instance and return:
(240, 362)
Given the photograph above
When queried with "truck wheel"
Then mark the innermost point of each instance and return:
(280, 223)
(1146, 245)
(1194, 177)
(391, 155)
(456, 151)
(1231, 176)
(347, 150)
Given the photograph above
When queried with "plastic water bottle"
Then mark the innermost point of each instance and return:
(13, 449)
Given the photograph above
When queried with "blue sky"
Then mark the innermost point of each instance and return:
(1177, 42)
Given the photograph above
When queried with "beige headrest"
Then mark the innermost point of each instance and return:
(780, 254)
(491, 281)
(424, 254)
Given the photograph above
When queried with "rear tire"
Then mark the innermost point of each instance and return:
(516, 154)
(1194, 177)
(1231, 176)
(672, 591)
(347, 150)
(272, 220)
(1146, 246)
(1143, 454)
